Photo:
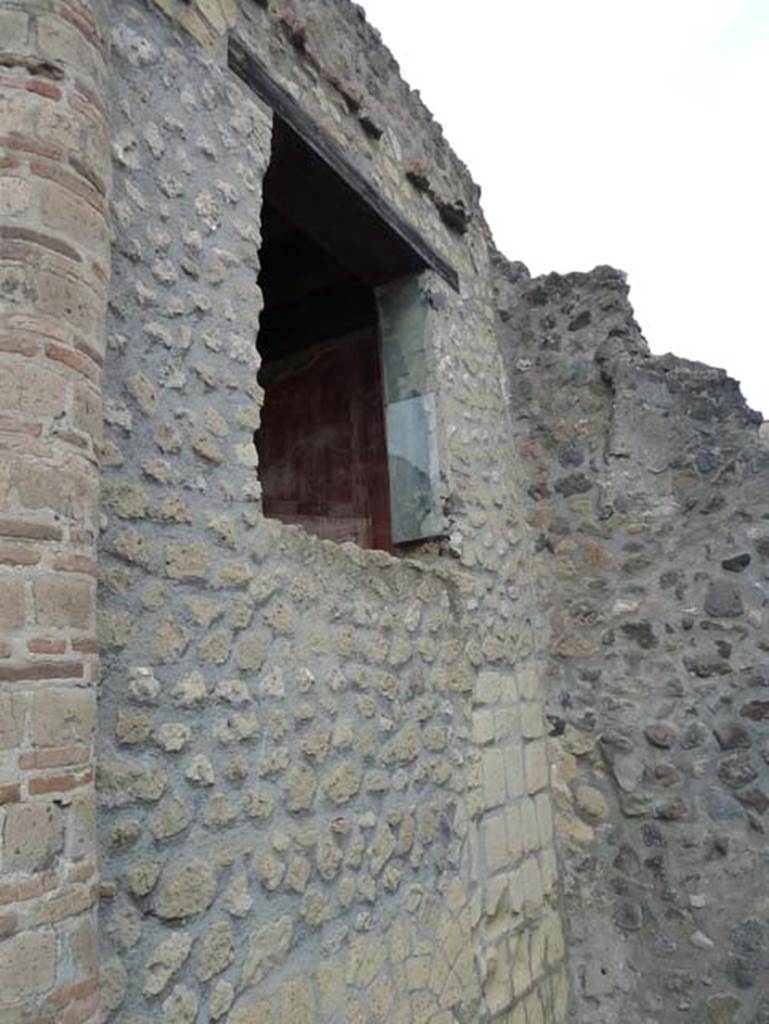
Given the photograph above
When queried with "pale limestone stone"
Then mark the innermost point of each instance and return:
(142, 878)
(267, 948)
(187, 888)
(113, 981)
(328, 856)
(298, 873)
(233, 691)
(591, 801)
(199, 770)
(529, 825)
(222, 998)
(260, 803)
(165, 960)
(483, 727)
(314, 908)
(532, 721)
(172, 817)
(495, 844)
(493, 775)
(172, 736)
(237, 898)
(215, 951)
(382, 847)
(143, 687)
(536, 767)
(299, 784)
(298, 1001)
(343, 735)
(132, 728)
(577, 742)
(270, 871)
(220, 811)
(181, 1007)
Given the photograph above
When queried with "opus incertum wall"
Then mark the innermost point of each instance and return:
(322, 773)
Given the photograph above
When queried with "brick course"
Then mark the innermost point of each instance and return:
(54, 259)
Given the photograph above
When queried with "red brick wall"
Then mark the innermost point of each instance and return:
(54, 266)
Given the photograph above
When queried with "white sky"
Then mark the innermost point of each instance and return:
(629, 132)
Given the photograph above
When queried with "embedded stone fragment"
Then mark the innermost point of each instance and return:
(723, 600)
(591, 801)
(121, 782)
(382, 847)
(187, 888)
(181, 1007)
(165, 960)
(172, 736)
(737, 770)
(267, 948)
(141, 878)
(191, 692)
(722, 1008)
(216, 951)
(172, 817)
(222, 998)
(270, 871)
(113, 983)
(661, 735)
(220, 811)
(237, 898)
(187, 561)
(731, 735)
(314, 908)
(756, 710)
(342, 782)
(299, 784)
(200, 771)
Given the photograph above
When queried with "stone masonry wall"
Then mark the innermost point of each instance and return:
(322, 773)
(648, 485)
(54, 269)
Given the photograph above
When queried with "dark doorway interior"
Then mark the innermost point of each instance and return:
(321, 443)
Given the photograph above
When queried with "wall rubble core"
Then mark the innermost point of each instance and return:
(331, 781)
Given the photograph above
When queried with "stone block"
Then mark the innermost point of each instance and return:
(483, 727)
(535, 758)
(14, 30)
(529, 825)
(74, 218)
(31, 837)
(515, 833)
(544, 818)
(15, 193)
(13, 709)
(28, 389)
(63, 716)
(532, 721)
(64, 601)
(514, 769)
(27, 965)
(495, 842)
(493, 778)
(12, 604)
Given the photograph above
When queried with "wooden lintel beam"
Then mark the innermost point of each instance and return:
(256, 76)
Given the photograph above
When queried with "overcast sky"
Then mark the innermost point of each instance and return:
(629, 132)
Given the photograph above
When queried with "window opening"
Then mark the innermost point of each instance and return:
(331, 443)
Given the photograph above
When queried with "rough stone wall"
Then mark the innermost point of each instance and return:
(648, 481)
(323, 784)
(54, 268)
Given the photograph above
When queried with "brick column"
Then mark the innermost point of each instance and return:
(54, 267)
